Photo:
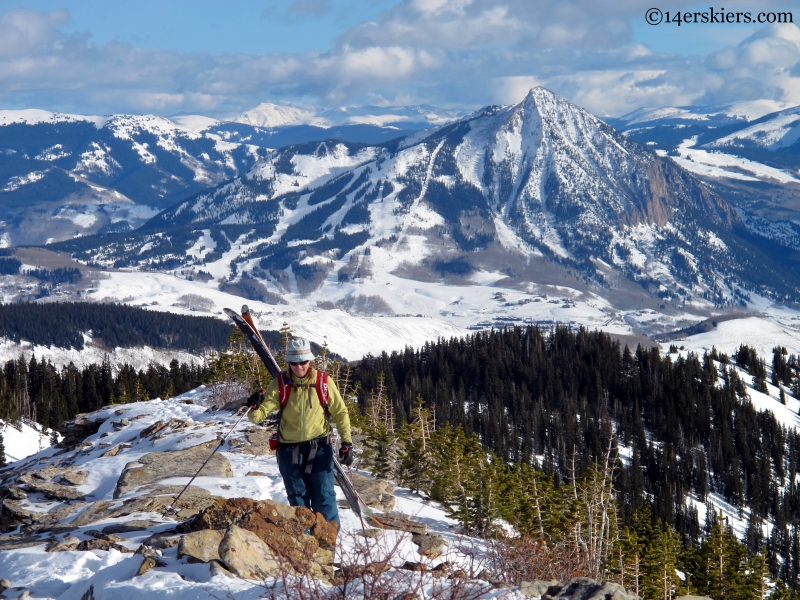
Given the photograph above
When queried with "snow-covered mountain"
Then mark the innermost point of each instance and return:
(64, 175)
(539, 202)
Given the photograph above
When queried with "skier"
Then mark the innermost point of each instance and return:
(306, 400)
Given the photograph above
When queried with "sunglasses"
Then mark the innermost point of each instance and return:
(299, 364)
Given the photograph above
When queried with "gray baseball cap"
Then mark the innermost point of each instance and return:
(298, 350)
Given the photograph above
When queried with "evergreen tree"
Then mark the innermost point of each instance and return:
(381, 443)
(2, 451)
(723, 564)
(414, 468)
(660, 563)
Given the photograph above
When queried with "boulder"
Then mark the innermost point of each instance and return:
(95, 544)
(15, 510)
(374, 492)
(535, 589)
(200, 546)
(430, 545)
(156, 466)
(74, 432)
(281, 527)
(56, 491)
(148, 563)
(128, 526)
(401, 522)
(247, 556)
(583, 588)
(68, 543)
(160, 541)
(74, 477)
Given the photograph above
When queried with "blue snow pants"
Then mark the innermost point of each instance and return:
(313, 490)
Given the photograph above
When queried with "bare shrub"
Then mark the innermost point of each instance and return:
(370, 572)
(528, 558)
(223, 393)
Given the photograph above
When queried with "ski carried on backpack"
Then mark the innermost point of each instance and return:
(246, 324)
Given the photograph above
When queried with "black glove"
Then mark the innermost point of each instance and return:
(346, 454)
(255, 399)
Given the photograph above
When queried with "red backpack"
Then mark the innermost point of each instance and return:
(284, 391)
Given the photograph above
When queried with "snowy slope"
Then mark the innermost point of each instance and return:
(23, 439)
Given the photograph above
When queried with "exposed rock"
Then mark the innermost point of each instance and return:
(147, 564)
(56, 491)
(256, 474)
(15, 510)
(5, 584)
(68, 543)
(374, 492)
(247, 556)
(47, 474)
(200, 546)
(156, 466)
(401, 523)
(120, 424)
(535, 589)
(77, 430)
(259, 442)
(74, 477)
(109, 537)
(95, 544)
(430, 544)
(14, 542)
(216, 568)
(281, 527)
(583, 588)
(325, 532)
(372, 534)
(129, 526)
(192, 502)
(161, 541)
(152, 429)
(113, 452)
(17, 493)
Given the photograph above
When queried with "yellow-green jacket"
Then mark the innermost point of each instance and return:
(303, 417)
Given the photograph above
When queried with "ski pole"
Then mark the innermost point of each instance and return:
(172, 508)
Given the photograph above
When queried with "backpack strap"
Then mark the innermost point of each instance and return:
(284, 388)
(322, 394)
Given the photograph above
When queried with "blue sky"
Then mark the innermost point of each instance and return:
(216, 58)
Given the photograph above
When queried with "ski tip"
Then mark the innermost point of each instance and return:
(245, 309)
(229, 312)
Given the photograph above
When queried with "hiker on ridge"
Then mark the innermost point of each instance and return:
(305, 453)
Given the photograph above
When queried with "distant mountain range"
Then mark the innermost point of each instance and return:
(63, 176)
(748, 152)
(532, 192)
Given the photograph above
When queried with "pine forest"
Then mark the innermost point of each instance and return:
(569, 454)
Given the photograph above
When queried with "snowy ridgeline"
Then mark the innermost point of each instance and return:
(69, 575)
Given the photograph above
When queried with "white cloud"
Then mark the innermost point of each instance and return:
(446, 52)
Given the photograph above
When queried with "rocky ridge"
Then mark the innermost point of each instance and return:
(111, 495)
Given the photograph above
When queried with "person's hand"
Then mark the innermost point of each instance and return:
(256, 398)
(346, 454)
